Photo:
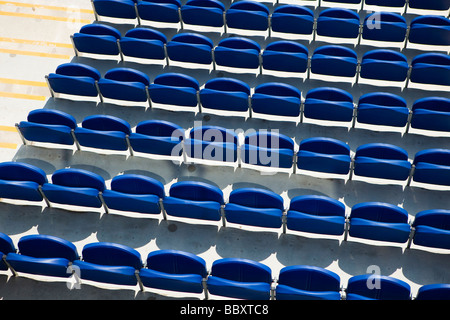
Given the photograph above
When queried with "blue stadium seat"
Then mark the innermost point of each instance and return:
(383, 161)
(382, 108)
(74, 79)
(48, 125)
(381, 288)
(322, 154)
(248, 15)
(103, 132)
(269, 149)
(209, 13)
(21, 181)
(432, 166)
(302, 282)
(108, 262)
(167, 11)
(212, 143)
(431, 68)
(43, 255)
(385, 27)
(124, 84)
(174, 89)
(338, 23)
(316, 214)
(292, 19)
(143, 43)
(225, 94)
(240, 279)
(123, 9)
(328, 103)
(6, 246)
(431, 113)
(157, 137)
(194, 199)
(430, 30)
(190, 47)
(77, 187)
(287, 56)
(429, 5)
(134, 193)
(255, 207)
(379, 221)
(334, 60)
(432, 228)
(276, 98)
(384, 64)
(97, 39)
(386, 3)
(345, 1)
(434, 292)
(174, 270)
(237, 52)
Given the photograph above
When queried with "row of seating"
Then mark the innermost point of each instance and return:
(430, 68)
(175, 270)
(245, 206)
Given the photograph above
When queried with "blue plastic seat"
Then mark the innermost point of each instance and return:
(190, 47)
(103, 132)
(77, 187)
(255, 207)
(431, 113)
(124, 84)
(97, 39)
(143, 43)
(384, 64)
(382, 108)
(384, 26)
(74, 79)
(48, 125)
(208, 13)
(212, 143)
(338, 23)
(240, 279)
(21, 181)
(334, 60)
(248, 15)
(134, 193)
(194, 199)
(159, 10)
(292, 19)
(43, 255)
(386, 3)
(174, 89)
(268, 148)
(327, 103)
(345, 1)
(316, 214)
(174, 270)
(379, 221)
(436, 291)
(431, 68)
(429, 5)
(157, 137)
(276, 98)
(108, 262)
(237, 52)
(432, 166)
(287, 56)
(225, 94)
(307, 283)
(430, 30)
(6, 246)
(381, 288)
(322, 154)
(432, 228)
(123, 9)
(383, 161)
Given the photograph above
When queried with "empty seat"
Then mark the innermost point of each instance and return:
(269, 149)
(432, 228)
(237, 52)
(316, 214)
(431, 113)
(21, 181)
(429, 5)
(430, 30)
(124, 84)
(327, 103)
(74, 79)
(432, 166)
(103, 132)
(436, 291)
(143, 43)
(307, 283)
(334, 60)
(123, 9)
(379, 221)
(240, 279)
(384, 64)
(248, 15)
(255, 207)
(157, 137)
(174, 89)
(6, 246)
(292, 19)
(386, 3)
(384, 26)
(338, 23)
(97, 39)
(276, 98)
(43, 255)
(159, 10)
(174, 270)
(108, 262)
(431, 68)
(190, 47)
(48, 125)
(345, 1)
(287, 56)
(209, 13)
(383, 161)
(194, 199)
(379, 288)
(134, 193)
(75, 187)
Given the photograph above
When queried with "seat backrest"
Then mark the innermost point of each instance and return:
(18, 171)
(196, 191)
(137, 184)
(317, 205)
(434, 292)
(256, 198)
(242, 270)
(78, 70)
(287, 46)
(325, 146)
(380, 212)
(176, 262)
(146, 34)
(381, 151)
(227, 84)
(384, 288)
(213, 134)
(106, 123)
(278, 89)
(440, 104)
(100, 30)
(78, 178)
(176, 80)
(386, 3)
(192, 38)
(6, 244)
(160, 128)
(127, 75)
(249, 5)
(329, 93)
(432, 58)
(46, 246)
(384, 55)
(429, 5)
(335, 51)
(309, 278)
(111, 254)
(269, 139)
(52, 117)
(239, 43)
(433, 156)
(385, 99)
(435, 218)
(115, 8)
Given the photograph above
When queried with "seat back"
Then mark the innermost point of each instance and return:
(176, 262)
(97, 39)
(106, 123)
(382, 108)
(431, 68)
(293, 19)
(123, 9)
(435, 218)
(334, 60)
(338, 22)
(78, 178)
(18, 171)
(287, 56)
(143, 43)
(137, 184)
(328, 103)
(430, 30)
(237, 52)
(256, 198)
(382, 288)
(241, 270)
(190, 47)
(159, 10)
(384, 64)
(384, 26)
(276, 98)
(434, 292)
(46, 246)
(381, 151)
(309, 278)
(111, 254)
(203, 13)
(325, 146)
(380, 212)
(318, 205)
(225, 94)
(196, 191)
(248, 14)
